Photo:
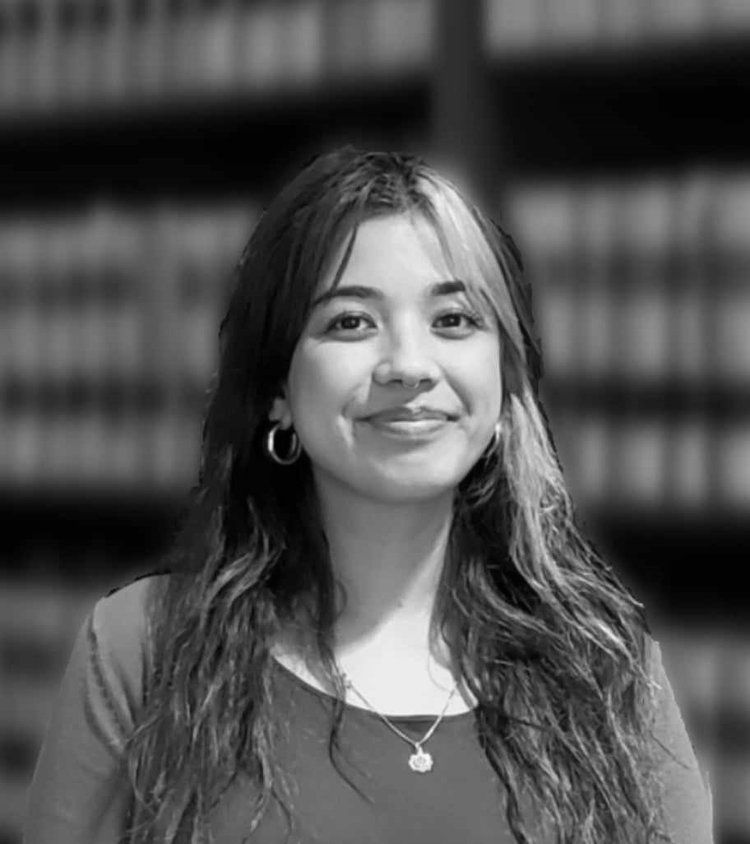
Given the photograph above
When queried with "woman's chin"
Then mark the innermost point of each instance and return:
(401, 478)
(405, 488)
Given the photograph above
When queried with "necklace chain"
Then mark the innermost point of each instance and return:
(417, 745)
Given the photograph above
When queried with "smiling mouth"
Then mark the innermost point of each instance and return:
(408, 427)
(401, 415)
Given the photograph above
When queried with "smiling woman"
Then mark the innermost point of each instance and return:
(382, 623)
(395, 339)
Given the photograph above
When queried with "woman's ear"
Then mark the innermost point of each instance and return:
(281, 412)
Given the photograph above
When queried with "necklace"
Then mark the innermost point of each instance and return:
(420, 761)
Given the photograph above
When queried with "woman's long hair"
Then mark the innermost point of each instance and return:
(554, 648)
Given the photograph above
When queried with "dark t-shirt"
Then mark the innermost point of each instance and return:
(80, 793)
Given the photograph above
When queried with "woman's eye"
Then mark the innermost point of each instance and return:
(454, 319)
(348, 322)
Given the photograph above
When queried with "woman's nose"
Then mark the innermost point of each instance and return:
(408, 358)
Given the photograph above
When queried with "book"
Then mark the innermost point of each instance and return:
(732, 465)
(399, 34)
(513, 25)
(567, 23)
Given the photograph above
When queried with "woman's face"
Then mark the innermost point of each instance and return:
(396, 335)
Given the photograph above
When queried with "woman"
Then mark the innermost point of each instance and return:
(382, 624)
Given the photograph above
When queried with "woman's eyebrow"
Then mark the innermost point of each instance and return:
(356, 291)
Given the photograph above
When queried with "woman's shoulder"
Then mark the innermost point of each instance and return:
(119, 621)
(688, 796)
(654, 663)
(657, 666)
(134, 592)
(127, 602)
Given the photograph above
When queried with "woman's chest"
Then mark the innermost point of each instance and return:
(373, 796)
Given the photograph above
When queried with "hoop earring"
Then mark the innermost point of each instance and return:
(294, 451)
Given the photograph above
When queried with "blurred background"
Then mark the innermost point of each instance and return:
(139, 141)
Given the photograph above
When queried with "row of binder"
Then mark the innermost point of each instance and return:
(64, 53)
(655, 217)
(116, 295)
(647, 463)
(689, 465)
(514, 25)
(103, 250)
(128, 452)
(68, 52)
(648, 334)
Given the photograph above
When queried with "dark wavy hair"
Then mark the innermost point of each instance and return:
(551, 644)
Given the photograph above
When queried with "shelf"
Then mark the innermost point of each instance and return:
(113, 395)
(668, 550)
(650, 106)
(199, 146)
(691, 565)
(665, 399)
(79, 531)
(686, 59)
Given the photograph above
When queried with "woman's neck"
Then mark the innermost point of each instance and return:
(388, 559)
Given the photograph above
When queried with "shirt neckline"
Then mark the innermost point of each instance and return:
(320, 694)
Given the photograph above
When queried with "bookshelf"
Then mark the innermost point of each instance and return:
(643, 301)
(138, 143)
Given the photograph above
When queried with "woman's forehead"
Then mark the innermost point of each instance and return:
(366, 240)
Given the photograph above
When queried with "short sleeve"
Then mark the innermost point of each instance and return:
(79, 792)
(688, 800)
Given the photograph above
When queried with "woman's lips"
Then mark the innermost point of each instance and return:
(403, 415)
(408, 427)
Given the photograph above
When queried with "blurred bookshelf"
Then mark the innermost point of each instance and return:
(138, 143)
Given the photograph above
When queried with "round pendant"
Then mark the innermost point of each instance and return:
(420, 761)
